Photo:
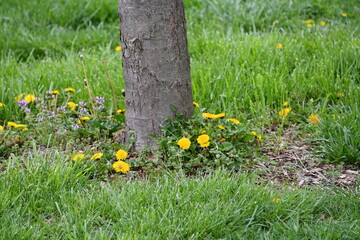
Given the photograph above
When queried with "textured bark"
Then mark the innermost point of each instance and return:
(156, 65)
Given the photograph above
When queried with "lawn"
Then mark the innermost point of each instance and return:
(277, 89)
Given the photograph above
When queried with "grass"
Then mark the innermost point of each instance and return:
(43, 197)
(236, 68)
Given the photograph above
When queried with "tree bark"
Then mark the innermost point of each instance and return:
(156, 65)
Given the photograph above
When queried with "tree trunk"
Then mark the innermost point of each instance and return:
(156, 65)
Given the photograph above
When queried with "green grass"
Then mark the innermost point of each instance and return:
(236, 68)
(45, 197)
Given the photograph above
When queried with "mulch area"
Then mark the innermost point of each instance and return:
(290, 160)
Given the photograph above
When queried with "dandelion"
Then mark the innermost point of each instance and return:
(322, 23)
(195, 104)
(343, 14)
(72, 105)
(121, 154)
(11, 124)
(85, 118)
(121, 166)
(120, 111)
(222, 139)
(314, 118)
(259, 138)
(234, 120)
(69, 90)
(29, 98)
(184, 143)
(310, 21)
(285, 104)
(206, 144)
(118, 48)
(2, 104)
(253, 133)
(203, 132)
(54, 92)
(284, 112)
(203, 138)
(279, 45)
(213, 116)
(1, 128)
(78, 156)
(96, 156)
(221, 127)
(276, 200)
(19, 97)
(20, 126)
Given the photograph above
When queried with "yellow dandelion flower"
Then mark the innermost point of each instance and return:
(195, 104)
(69, 90)
(78, 156)
(29, 98)
(284, 112)
(322, 23)
(285, 104)
(18, 98)
(213, 116)
(259, 137)
(85, 118)
(208, 115)
(220, 115)
(55, 92)
(343, 14)
(203, 138)
(121, 166)
(184, 143)
(276, 200)
(96, 156)
(118, 48)
(221, 127)
(206, 144)
(2, 104)
(314, 118)
(20, 126)
(11, 124)
(279, 45)
(72, 105)
(222, 139)
(203, 132)
(234, 120)
(253, 133)
(309, 21)
(79, 121)
(120, 111)
(1, 128)
(121, 154)
(25, 129)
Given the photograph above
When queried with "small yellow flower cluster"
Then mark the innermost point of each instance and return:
(314, 118)
(120, 111)
(184, 143)
(15, 125)
(213, 116)
(310, 23)
(72, 105)
(28, 98)
(279, 45)
(203, 140)
(285, 111)
(2, 104)
(234, 120)
(118, 48)
(121, 166)
(69, 90)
